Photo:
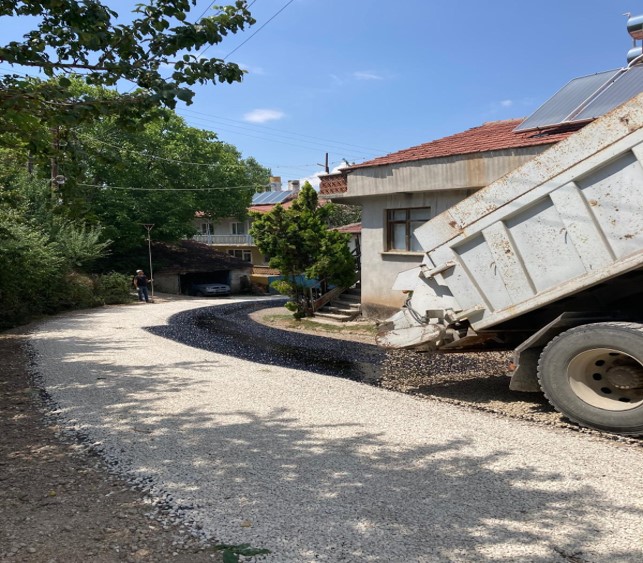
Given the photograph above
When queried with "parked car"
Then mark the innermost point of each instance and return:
(208, 289)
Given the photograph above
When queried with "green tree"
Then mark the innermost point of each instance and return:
(43, 257)
(153, 51)
(341, 214)
(299, 242)
(161, 175)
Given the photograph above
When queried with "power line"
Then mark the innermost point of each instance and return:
(155, 157)
(184, 162)
(129, 188)
(370, 150)
(312, 145)
(258, 30)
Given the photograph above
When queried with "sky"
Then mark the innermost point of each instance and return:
(359, 79)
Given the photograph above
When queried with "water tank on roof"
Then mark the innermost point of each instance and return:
(633, 53)
(635, 27)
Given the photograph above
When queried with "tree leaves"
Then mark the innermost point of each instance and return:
(299, 242)
(74, 37)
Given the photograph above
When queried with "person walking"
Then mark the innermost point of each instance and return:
(140, 283)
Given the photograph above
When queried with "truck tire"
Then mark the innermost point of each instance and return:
(593, 374)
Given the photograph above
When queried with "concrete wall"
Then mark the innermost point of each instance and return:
(436, 183)
(438, 174)
(379, 266)
(167, 283)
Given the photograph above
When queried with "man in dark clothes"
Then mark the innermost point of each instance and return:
(140, 283)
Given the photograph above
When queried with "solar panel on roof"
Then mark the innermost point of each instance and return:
(626, 87)
(260, 198)
(563, 104)
(270, 198)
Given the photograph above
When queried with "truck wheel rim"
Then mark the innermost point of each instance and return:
(607, 378)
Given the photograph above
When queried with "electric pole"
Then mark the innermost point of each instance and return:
(325, 165)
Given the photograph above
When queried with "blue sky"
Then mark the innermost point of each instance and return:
(361, 78)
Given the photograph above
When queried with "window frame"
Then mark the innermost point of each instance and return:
(234, 227)
(245, 255)
(207, 227)
(409, 223)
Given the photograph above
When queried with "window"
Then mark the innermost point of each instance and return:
(207, 228)
(244, 255)
(239, 229)
(400, 224)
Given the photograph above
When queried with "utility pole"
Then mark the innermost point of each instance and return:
(54, 161)
(57, 180)
(149, 227)
(325, 165)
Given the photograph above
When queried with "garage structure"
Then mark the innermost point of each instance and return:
(178, 265)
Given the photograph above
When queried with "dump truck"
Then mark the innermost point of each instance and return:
(547, 262)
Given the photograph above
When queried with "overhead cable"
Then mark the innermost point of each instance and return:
(129, 188)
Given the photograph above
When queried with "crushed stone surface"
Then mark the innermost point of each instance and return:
(251, 444)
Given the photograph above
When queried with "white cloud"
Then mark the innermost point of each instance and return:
(314, 180)
(263, 115)
(506, 103)
(367, 75)
(256, 70)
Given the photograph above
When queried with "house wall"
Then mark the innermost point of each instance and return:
(380, 267)
(437, 183)
(223, 228)
(438, 174)
(219, 226)
(167, 283)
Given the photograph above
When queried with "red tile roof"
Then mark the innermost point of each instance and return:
(491, 136)
(353, 228)
(267, 208)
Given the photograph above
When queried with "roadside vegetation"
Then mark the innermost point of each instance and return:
(303, 248)
(84, 167)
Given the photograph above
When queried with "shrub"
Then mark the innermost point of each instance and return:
(72, 291)
(113, 288)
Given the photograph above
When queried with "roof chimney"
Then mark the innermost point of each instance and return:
(293, 185)
(275, 183)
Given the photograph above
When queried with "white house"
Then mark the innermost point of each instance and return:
(401, 191)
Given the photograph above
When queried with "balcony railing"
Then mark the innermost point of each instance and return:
(231, 240)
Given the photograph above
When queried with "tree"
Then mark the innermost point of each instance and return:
(153, 52)
(299, 242)
(341, 214)
(161, 175)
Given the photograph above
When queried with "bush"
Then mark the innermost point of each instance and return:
(113, 288)
(74, 291)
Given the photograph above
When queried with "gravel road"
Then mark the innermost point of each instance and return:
(248, 446)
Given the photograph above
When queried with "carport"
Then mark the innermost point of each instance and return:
(178, 265)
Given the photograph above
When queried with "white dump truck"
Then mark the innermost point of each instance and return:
(547, 262)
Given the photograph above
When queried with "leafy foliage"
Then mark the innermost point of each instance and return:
(300, 242)
(72, 37)
(41, 254)
(340, 214)
(71, 122)
(112, 288)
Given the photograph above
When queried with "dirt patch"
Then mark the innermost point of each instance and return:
(279, 317)
(58, 503)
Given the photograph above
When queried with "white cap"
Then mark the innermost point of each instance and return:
(137, 271)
